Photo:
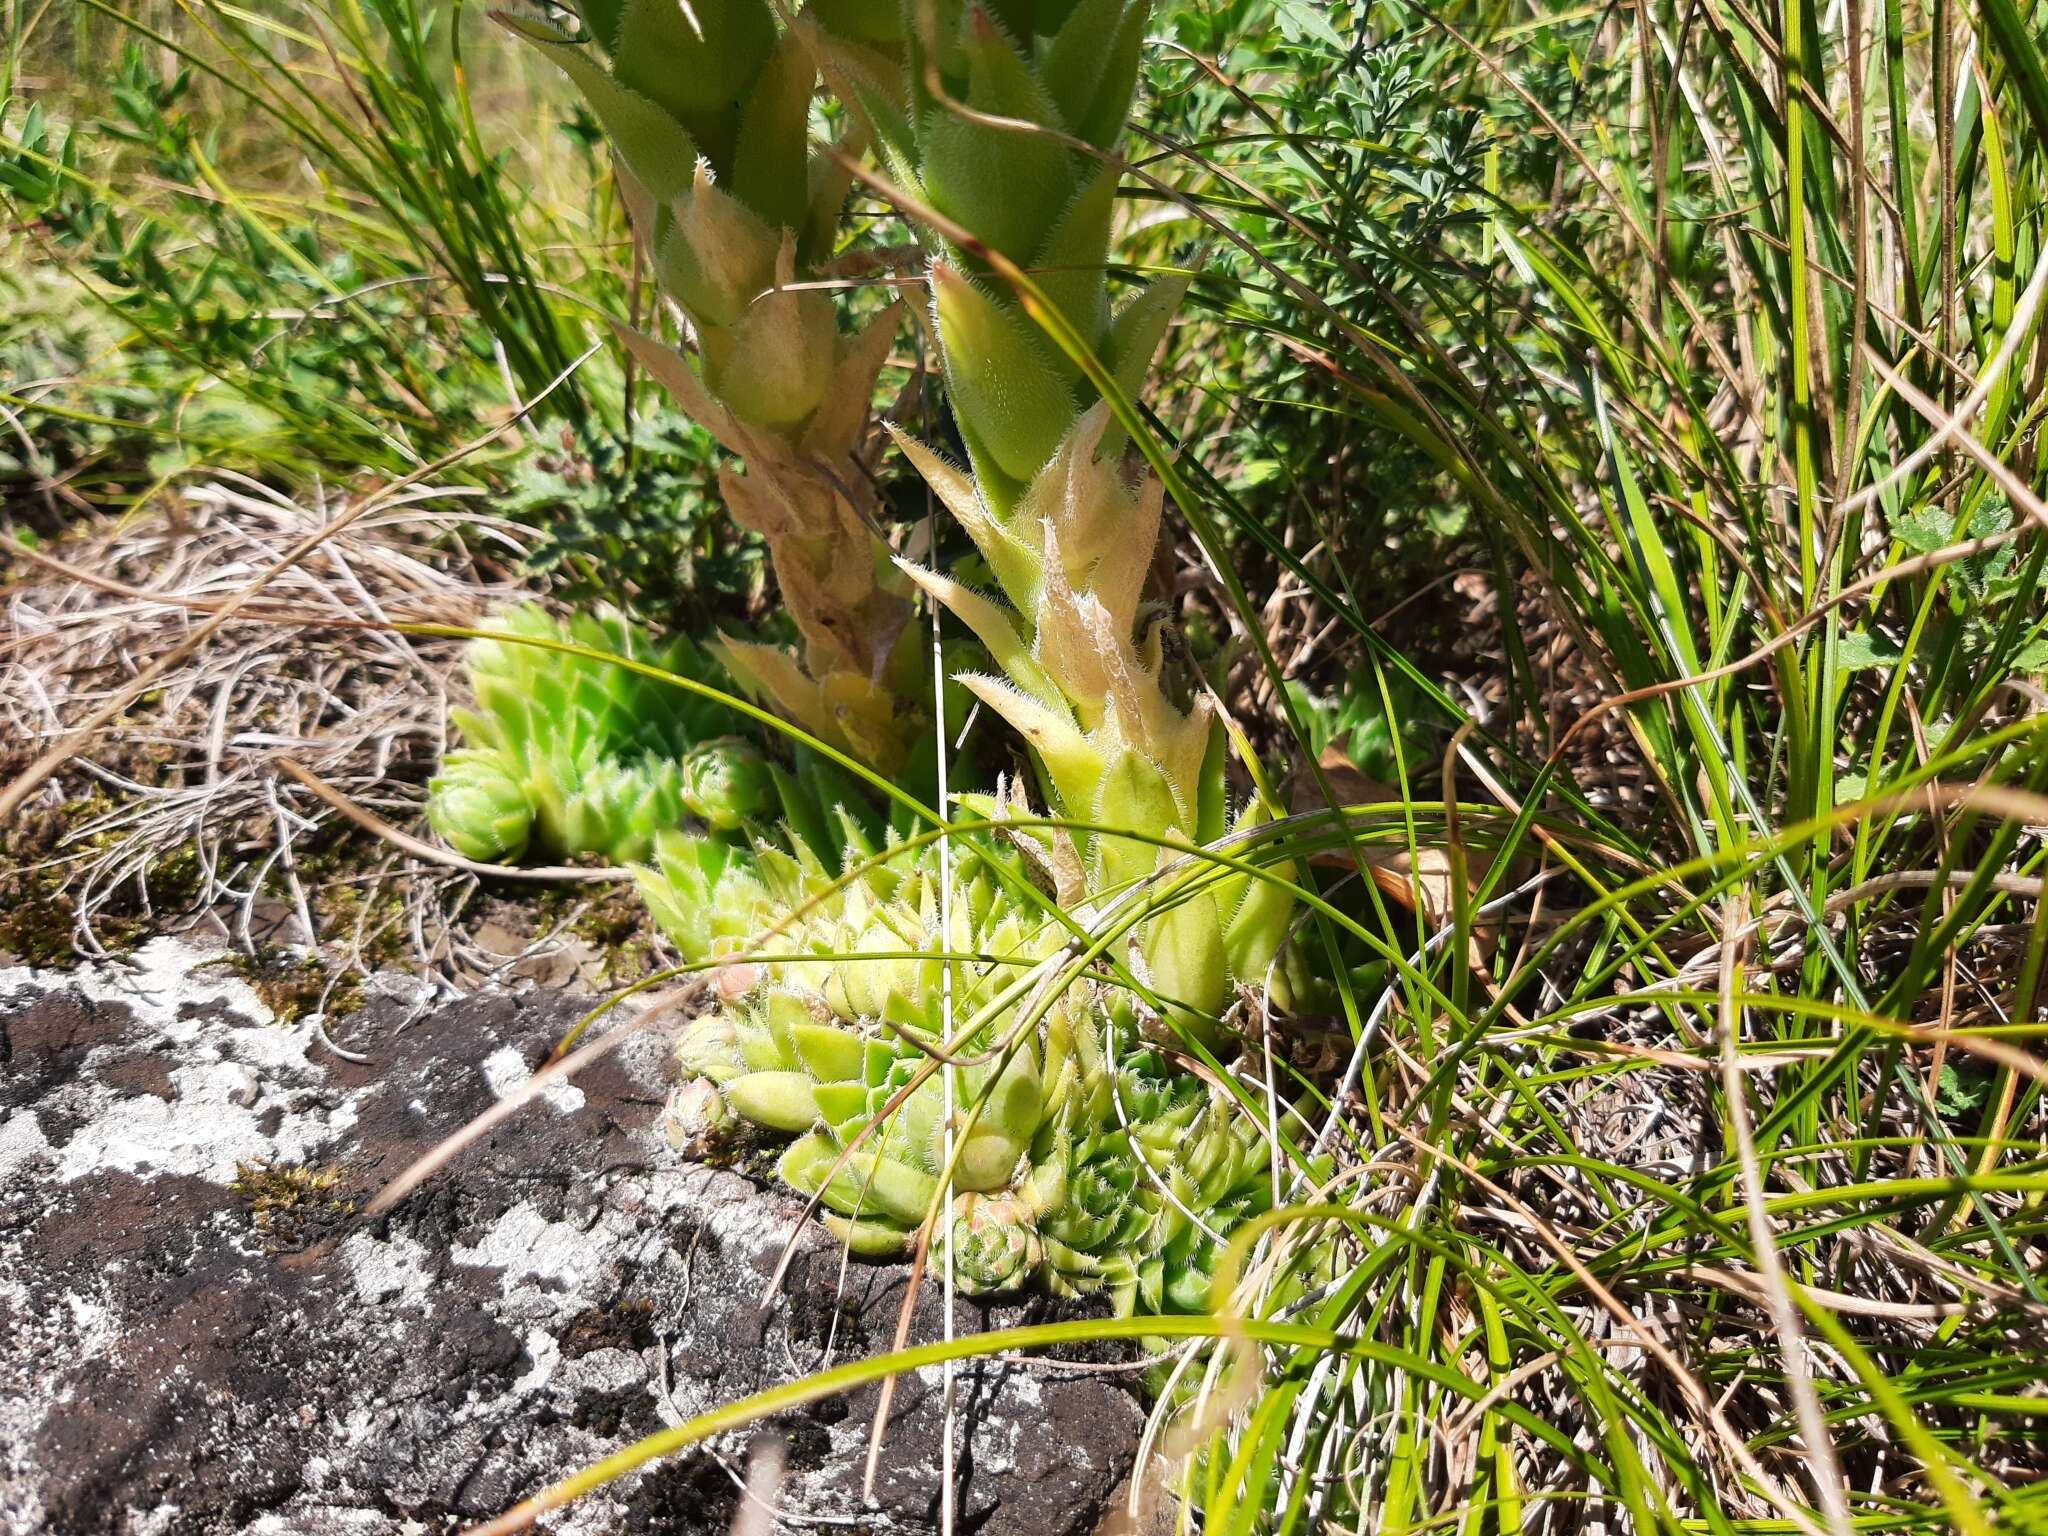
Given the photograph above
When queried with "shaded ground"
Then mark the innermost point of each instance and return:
(206, 1339)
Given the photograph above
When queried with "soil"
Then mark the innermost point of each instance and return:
(206, 1337)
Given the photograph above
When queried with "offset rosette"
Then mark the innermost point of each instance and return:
(996, 1242)
(726, 783)
(570, 754)
(480, 807)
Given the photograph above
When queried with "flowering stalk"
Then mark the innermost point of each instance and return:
(1084, 1159)
(707, 108)
(1003, 122)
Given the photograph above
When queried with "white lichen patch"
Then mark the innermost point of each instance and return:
(166, 981)
(546, 1303)
(241, 1087)
(388, 1271)
(506, 1070)
(542, 1261)
(21, 1138)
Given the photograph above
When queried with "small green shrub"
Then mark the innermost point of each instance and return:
(637, 523)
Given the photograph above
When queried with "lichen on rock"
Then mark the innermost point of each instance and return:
(179, 1365)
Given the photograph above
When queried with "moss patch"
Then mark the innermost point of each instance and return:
(289, 1203)
(291, 985)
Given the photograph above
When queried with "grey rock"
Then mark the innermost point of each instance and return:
(176, 1360)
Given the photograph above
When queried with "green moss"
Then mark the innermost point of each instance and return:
(345, 911)
(613, 920)
(287, 1201)
(292, 986)
(37, 912)
(36, 923)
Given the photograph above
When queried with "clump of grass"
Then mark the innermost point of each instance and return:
(299, 259)
(1669, 1166)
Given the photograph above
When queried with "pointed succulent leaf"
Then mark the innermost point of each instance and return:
(771, 172)
(828, 1052)
(863, 714)
(807, 1162)
(835, 429)
(718, 253)
(1136, 332)
(999, 1133)
(874, 1185)
(993, 626)
(1004, 185)
(694, 61)
(828, 177)
(1069, 266)
(1184, 952)
(672, 370)
(1014, 559)
(802, 810)
(772, 675)
(1256, 912)
(1001, 80)
(843, 1106)
(1132, 793)
(480, 728)
(998, 168)
(1213, 794)
(870, 1238)
(1004, 383)
(658, 149)
(781, 352)
(1075, 765)
(1093, 66)
(782, 1101)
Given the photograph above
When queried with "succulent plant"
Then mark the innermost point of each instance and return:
(1064, 519)
(1081, 1157)
(1077, 1153)
(1085, 1161)
(707, 107)
(568, 754)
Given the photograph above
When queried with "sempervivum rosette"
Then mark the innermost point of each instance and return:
(569, 754)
